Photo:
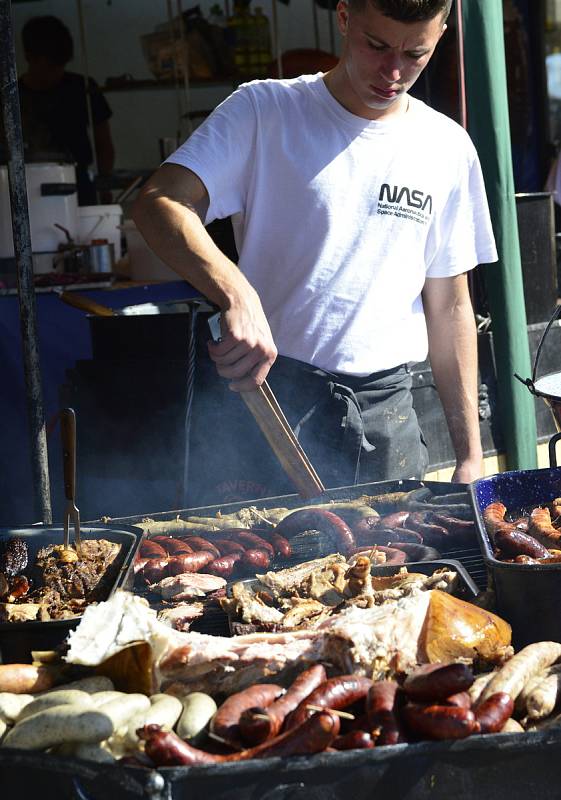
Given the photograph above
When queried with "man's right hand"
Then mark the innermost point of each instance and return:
(246, 351)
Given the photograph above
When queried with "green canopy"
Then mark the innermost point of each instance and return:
(488, 124)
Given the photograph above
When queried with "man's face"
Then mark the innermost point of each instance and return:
(383, 58)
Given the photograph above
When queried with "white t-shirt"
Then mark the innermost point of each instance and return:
(338, 220)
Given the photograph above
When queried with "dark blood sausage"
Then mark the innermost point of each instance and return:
(493, 713)
(353, 740)
(384, 536)
(437, 682)
(191, 562)
(514, 542)
(334, 693)
(155, 570)
(223, 567)
(318, 519)
(258, 559)
(259, 724)
(416, 552)
(280, 543)
(198, 543)
(227, 547)
(382, 712)
(439, 722)
(434, 535)
(151, 549)
(395, 520)
(250, 540)
(175, 547)
(225, 722)
(456, 527)
(315, 735)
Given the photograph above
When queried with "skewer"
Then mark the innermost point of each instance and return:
(342, 714)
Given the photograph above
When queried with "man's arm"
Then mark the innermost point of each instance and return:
(170, 212)
(453, 356)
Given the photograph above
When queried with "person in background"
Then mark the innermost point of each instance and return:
(54, 106)
(358, 212)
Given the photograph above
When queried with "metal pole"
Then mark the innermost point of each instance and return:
(461, 64)
(489, 128)
(24, 265)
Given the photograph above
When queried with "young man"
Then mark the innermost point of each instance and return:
(358, 212)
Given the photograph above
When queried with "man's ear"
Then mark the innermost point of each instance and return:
(342, 16)
(444, 27)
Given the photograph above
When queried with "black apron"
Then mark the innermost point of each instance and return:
(354, 430)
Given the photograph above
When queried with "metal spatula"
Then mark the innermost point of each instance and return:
(68, 434)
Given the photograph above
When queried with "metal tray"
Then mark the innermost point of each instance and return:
(526, 595)
(465, 587)
(18, 639)
(493, 767)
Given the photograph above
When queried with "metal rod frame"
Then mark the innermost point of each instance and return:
(11, 115)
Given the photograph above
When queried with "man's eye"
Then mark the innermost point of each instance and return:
(416, 56)
(377, 47)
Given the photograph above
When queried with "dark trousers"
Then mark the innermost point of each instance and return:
(354, 430)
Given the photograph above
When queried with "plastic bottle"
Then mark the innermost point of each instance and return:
(239, 25)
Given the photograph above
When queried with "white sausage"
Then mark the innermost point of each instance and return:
(11, 705)
(58, 725)
(531, 660)
(68, 697)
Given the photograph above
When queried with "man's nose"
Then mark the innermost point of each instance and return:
(392, 67)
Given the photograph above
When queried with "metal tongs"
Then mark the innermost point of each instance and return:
(68, 435)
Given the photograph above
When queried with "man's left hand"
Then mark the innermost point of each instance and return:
(468, 471)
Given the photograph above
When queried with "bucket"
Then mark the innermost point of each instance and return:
(145, 265)
(101, 222)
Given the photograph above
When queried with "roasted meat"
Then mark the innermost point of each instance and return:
(86, 578)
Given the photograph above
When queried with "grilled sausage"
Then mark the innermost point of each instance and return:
(280, 543)
(514, 542)
(252, 541)
(173, 547)
(494, 517)
(151, 549)
(353, 740)
(461, 700)
(437, 681)
(226, 721)
(192, 562)
(318, 520)
(199, 544)
(382, 712)
(316, 734)
(334, 693)
(155, 569)
(26, 679)
(493, 713)
(227, 547)
(396, 520)
(439, 722)
(256, 559)
(259, 724)
(433, 535)
(223, 567)
(459, 528)
(541, 528)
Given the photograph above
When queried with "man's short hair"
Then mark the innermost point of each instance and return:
(48, 37)
(406, 10)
